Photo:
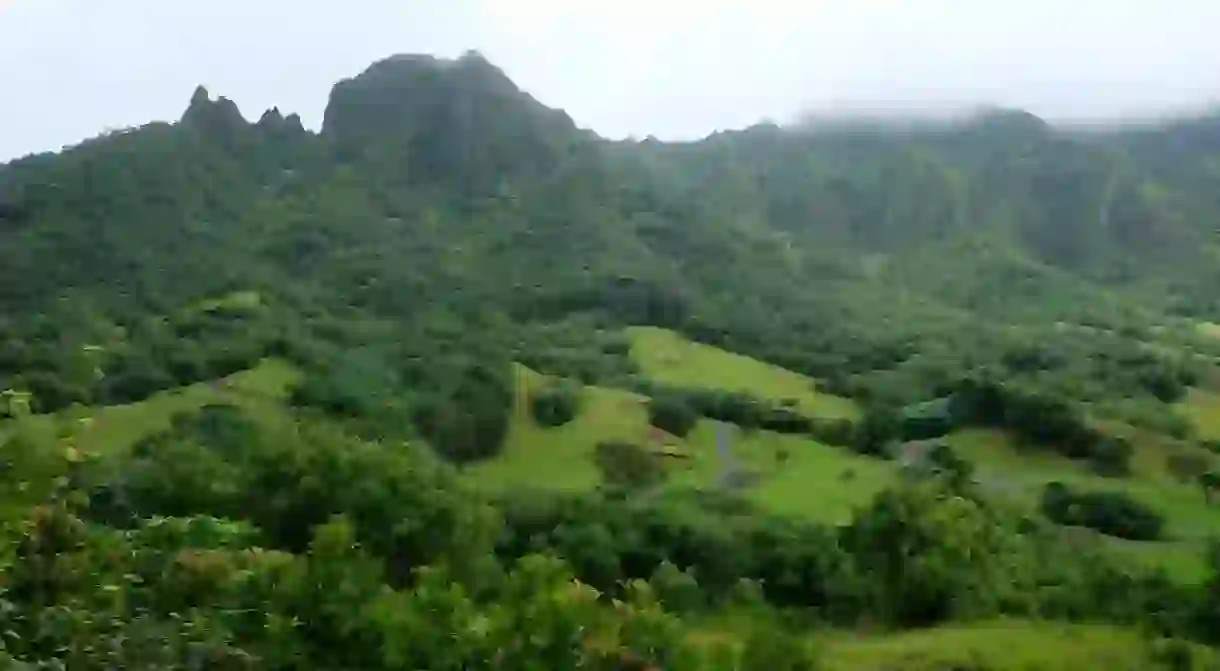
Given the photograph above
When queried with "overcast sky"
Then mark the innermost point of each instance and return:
(70, 69)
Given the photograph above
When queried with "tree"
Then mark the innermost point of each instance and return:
(1111, 456)
(1210, 483)
(556, 405)
(1112, 513)
(628, 466)
(879, 427)
(933, 554)
(672, 414)
(958, 471)
(676, 588)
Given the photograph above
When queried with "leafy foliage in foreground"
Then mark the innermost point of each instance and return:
(354, 554)
(294, 545)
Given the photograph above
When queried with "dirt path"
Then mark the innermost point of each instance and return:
(730, 469)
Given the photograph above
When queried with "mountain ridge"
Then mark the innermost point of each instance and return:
(439, 195)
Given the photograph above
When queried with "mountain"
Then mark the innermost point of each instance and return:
(443, 223)
(285, 335)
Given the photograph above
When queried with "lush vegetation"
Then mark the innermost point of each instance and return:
(355, 552)
(270, 398)
(1111, 513)
(672, 414)
(555, 406)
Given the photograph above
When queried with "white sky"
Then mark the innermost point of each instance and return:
(677, 69)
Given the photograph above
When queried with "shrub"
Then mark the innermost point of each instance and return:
(467, 419)
(628, 466)
(1110, 513)
(945, 460)
(930, 556)
(556, 406)
(1039, 420)
(617, 346)
(784, 420)
(837, 432)
(1111, 456)
(1164, 383)
(672, 414)
(1210, 483)
(318, 389)
(737, 408)
(676, 588)
(879, 427)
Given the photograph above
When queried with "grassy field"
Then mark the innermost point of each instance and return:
(1209, 329)
(561, 457)
(813, 481)
(1203, 409)
(792, 475)
(1022, 473)
(671, 359)
(1019, 476)
(999, 645)
(822, 483)
(118, 427)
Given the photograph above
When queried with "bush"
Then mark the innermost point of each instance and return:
(1039, 420)
(628, 466)
(958, 470)
(737, 408)
(675, 588)
(837, 432)
(556, 405)
(1164, 383)
(1110, 513)
(745, 410)
(468, 420)
(672, 414)
(318, 389)
(1210, 483)
(879, 427)
(785, 420)
(930, 556)
(1112, 456)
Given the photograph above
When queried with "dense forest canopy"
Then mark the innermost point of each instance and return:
(444, 226)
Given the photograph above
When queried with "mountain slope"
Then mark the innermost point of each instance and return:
(442, 214)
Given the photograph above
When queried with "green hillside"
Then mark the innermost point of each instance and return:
(815, 481)
(453, 383)
(1002, 645)
(561, 457)
(667, 357)
(116, 428)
